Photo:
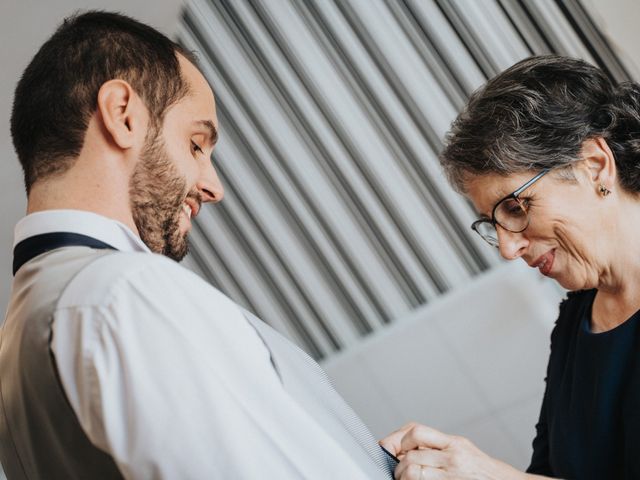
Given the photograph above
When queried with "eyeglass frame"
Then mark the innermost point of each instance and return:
(515, 194)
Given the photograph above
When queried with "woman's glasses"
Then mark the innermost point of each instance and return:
(511, 213)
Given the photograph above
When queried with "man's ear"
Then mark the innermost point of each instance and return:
(599, 162)
(123, 113)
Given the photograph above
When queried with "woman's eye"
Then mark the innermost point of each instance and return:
(196, 147)
(514, 207)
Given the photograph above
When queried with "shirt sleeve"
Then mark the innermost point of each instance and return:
(169, 379)
(540, 459)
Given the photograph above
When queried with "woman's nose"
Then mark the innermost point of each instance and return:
(511, 245)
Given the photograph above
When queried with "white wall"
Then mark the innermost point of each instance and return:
(471, 363)
(619, 20)
(24, 26)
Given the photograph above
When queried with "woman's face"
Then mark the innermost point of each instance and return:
(570, 224)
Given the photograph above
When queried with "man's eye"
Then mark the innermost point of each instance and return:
(196, 147)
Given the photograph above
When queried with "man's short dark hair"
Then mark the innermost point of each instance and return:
(58, 91)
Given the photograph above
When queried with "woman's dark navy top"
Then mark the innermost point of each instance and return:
(589, 426)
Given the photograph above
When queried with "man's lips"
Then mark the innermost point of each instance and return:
(544, 263)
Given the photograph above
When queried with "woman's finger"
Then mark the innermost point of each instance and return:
(428, 457)
(422, 436)
(420, 472)
(393, 441)
(433, 459)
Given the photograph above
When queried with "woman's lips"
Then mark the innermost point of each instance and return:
(545, 262)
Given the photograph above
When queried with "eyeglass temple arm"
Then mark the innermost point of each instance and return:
(530, 182)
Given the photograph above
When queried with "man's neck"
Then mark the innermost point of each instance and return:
(62, 194)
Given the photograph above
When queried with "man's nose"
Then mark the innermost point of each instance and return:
(209, 185)
(511, 245)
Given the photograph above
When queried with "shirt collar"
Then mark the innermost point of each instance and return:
(110, 231)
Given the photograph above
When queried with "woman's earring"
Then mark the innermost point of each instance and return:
(604, 191)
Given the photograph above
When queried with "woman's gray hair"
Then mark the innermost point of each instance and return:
(537, 114)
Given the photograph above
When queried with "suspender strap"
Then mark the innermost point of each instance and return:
(31, 247)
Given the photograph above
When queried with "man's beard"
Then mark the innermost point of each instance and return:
(157, 192)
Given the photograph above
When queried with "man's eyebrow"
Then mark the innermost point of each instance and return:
(213, 131)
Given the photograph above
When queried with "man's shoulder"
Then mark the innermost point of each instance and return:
(135, 295)
(120, 274)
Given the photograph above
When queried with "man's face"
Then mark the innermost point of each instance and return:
(175, 175)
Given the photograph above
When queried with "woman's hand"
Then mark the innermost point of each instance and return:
(426, 453)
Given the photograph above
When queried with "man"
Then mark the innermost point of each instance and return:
(115, 362)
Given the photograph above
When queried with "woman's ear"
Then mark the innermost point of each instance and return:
(123, 113)
(599, 162)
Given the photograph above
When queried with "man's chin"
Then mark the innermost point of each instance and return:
(176, 254)
(177, 247)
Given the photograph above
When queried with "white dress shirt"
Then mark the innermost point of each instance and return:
(167, 375)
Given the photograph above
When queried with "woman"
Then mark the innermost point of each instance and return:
(548, 152)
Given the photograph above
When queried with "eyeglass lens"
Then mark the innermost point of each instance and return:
(511, 214)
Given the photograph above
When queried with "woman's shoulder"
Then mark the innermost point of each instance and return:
(576, 298)
(567, 325)
(571, 308)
